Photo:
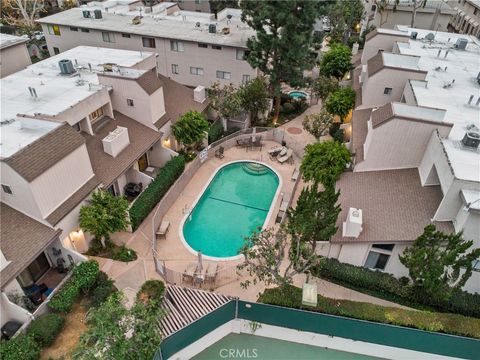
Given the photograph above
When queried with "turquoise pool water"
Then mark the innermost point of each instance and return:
(297, 94)
(245, 346)
(235, 203)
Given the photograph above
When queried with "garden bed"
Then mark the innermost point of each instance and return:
(431, 321)
(111, 251)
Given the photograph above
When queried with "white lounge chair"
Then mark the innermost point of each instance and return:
(286, 157)
(163, 229)
(211, 274)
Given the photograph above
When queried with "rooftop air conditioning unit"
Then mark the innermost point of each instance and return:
(471, 139)
(226, 30)
(461, 44)
(66, 67)
(413, 35)
(353, 226)
(97, 14)
(212, 29)
(86, 14)
(136, 20)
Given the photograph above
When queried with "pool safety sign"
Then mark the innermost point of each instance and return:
(203, 155)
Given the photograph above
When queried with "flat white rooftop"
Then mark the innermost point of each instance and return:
(451, 80)
(419, 112)
(181, 25)
(7, 40)
(55, 92)
(401, 61)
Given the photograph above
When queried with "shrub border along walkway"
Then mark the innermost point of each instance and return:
(424, 320)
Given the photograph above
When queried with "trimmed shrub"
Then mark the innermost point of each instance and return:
(151, 290)
(122, 253)
(156, 190)
(215, 132)
(22, 347)
(62, 301)
(45, 328)
(102, 289)
(291, 297)
(85, 274)
(386, 286)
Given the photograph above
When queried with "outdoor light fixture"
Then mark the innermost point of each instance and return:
(309, 294)
(166, 142)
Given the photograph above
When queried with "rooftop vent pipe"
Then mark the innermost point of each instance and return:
(471, 139)
(470, 100)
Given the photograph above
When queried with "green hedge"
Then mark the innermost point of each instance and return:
(83, 277)
(22, 347)
(102, 289)
(388, 287)
(156, 190)
(215, 132)
(440, 322)
(45, 328)
(151, 292)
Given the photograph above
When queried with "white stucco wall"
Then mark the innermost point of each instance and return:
(380, 42)
(14, 58)
(354, 253)
(62, 180)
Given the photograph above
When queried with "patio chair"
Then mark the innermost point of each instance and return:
(189, 273)
(219, 153)
(211, 274)
(243, 142)
(256, 141)
(275, 150)
(163, 229)
(286, 157)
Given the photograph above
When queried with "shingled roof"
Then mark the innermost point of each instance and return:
(395, 205)
(382, 114)
(359, 132)
(149, 82)
(23, 239)
(39, 156)
(375, 64)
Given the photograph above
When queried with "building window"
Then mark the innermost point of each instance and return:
(56, 50)
(245, 79)
(175, 69)
(202, 45)
(54, 30)
(73, 28)
(196, 70)
(96, 114)
(223, 75)
(176, 46)
(85, 30)
(476, 12)
(148, 42)
(242, 54)
(77, 127)
(108, 37)
(7, 189)
(216, 47)
(130, 102)
(126, 35)
(475, 264)
(387, 91)
(378, 256)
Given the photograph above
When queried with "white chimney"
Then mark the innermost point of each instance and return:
(116, 141)
(199, 94)
(353, 226)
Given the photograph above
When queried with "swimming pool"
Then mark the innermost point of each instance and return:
(235, 203)
(296, 94)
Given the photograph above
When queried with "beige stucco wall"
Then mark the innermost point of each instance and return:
(424, 18)
(374, 86)
(209, 59)
(397, 144)
(194, 5)
(62, 180)
(380, 42)
(13, 58)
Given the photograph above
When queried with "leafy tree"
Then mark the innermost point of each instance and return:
(317, 124)
(315, 216)
(324, 162)
(324, 86)
(254, 97)
(340, 102)
(265, 252)
(225, 100)
(22, 13)
(336, 61)
(284, 41)
(344, 17)
(218, 5)
(435, 262)
(104, 215)
(190, 128)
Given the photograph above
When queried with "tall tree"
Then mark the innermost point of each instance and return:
(345, 16)
(22, 13)
(324, 86)
(225, 100)
(283, 45)
(318, 124)
(336, 61)
(105, 214)
(270, 258)
(436, 261)
(340, 102)
(324, 162)
(417, 4)
(190, 128)
(315, 216)
(254, 97)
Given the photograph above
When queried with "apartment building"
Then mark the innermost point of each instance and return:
(195, 5)
(86, 119)
(433, 14)
(416, 152)
(14, 54)
(467, 17)
(193, 48)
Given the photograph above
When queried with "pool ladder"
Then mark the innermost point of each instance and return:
(187, 210)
